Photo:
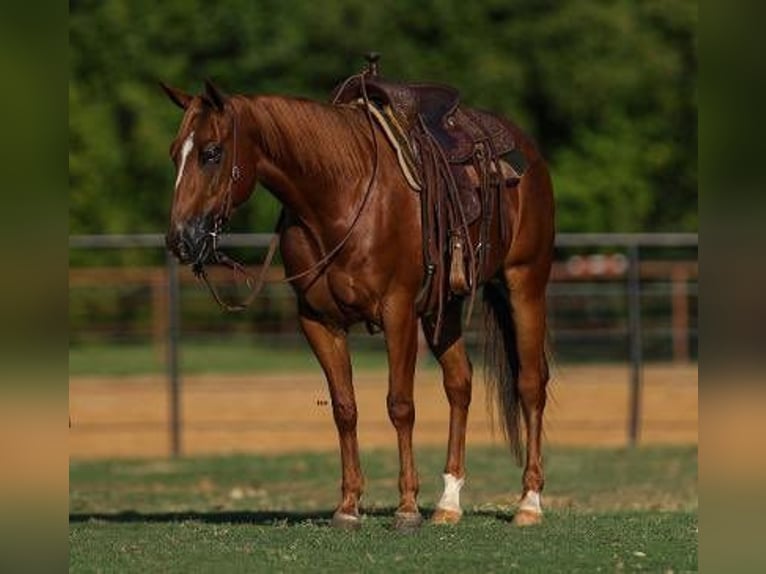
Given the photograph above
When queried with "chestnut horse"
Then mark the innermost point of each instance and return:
(351, 233)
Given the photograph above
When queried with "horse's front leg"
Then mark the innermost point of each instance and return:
(331, 348)
(400, 326)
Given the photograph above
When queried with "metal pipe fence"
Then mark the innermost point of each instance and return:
(627, 270)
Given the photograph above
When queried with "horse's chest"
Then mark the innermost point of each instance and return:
(342, 298)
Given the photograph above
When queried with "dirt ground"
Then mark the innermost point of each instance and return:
(265, 413)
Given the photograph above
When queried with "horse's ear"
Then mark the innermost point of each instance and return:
(179, 98)
(215, 95)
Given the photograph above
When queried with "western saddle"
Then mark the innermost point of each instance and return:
(459, 159)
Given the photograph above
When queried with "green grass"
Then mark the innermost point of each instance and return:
(606, 510)
(234, 356)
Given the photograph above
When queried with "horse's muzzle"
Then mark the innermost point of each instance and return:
(192, 242)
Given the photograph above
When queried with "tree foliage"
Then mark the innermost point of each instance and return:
(607, 87)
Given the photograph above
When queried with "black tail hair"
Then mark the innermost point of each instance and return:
(501, 363)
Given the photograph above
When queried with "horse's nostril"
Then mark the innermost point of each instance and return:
(196, 230)
(179, 246)
(190, 241)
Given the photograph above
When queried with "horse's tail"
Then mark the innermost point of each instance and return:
(501, 362)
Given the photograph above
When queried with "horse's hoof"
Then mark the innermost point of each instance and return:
(444, 516)
(344, 521)
(526, 517)
(407, 520)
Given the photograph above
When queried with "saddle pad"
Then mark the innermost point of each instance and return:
(398, 140)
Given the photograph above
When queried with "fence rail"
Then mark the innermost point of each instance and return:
(632, 243)
(122, 241)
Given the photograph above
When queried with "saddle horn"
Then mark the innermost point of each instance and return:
(372, 64)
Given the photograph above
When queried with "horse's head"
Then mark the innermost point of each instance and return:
(213, 176)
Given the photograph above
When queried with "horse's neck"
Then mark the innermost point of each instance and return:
(313, 156)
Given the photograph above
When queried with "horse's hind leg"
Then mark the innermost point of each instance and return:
(400, 327)
(456, 372)
(527, 294)
(331, 349)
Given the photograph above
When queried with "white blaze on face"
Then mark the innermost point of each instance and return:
(450, 500)
(185, 151)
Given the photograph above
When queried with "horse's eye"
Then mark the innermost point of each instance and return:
(211, 154)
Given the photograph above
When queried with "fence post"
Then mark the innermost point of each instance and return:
(174, 380)
(680, 306)
(634, 337)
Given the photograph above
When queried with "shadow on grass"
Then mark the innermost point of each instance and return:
(264, 518)
(258, 518)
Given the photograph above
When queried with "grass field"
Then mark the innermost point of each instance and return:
(204, 357)
(607, 510)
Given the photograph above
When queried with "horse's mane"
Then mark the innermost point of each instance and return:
(318, 139)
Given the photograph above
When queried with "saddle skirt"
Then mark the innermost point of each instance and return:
(459, 153)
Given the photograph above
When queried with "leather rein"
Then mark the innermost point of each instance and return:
(198, 267)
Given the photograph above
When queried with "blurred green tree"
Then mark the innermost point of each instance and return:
(608, 88)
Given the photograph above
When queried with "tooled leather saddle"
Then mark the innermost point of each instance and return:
(460, 160)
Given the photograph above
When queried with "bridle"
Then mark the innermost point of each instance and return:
(256, 286)
(198, 267)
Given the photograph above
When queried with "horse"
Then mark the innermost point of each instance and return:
(351, 242)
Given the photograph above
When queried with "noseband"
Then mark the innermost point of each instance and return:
(256, 286)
